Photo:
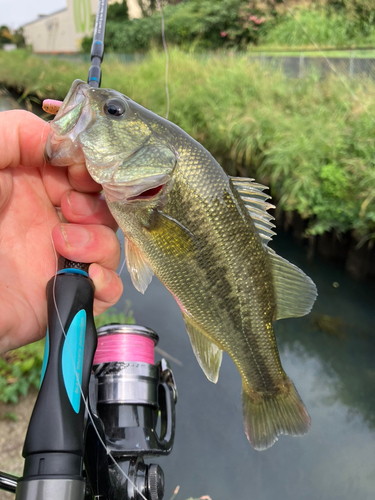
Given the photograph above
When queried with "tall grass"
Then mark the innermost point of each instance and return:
(309, 139)
(319, 25)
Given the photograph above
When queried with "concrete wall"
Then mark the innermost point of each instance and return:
(63, 31)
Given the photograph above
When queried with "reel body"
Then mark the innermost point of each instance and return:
(133, 401)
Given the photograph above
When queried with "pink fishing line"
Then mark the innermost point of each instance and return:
(122, 348)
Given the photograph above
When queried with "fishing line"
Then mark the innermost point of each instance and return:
(122, 265)
(113, 348)
(331, 66)
(166, 55)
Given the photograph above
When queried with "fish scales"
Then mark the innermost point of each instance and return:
(226, 252)
(188, 223)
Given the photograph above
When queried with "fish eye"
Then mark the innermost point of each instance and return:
(115, 107)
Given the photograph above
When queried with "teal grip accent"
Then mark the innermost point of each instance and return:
(72, 359)
(72, 270)
(45, 358)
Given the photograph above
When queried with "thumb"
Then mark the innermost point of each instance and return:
(22, 139)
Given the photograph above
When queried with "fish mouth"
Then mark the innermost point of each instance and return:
(72, 118)
(146, 189)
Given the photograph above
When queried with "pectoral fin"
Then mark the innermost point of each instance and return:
(207, 353)
(173, 238)
(139, 269)
(295, 292)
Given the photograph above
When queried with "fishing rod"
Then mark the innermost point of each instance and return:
(95, 419)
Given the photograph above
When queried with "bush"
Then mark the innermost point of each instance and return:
(198, 24)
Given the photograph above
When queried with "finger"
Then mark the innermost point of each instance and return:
(60, 180)
(87, 243)
(83, 208)
(108, 287)
(6, 184)
(56, 183)
(22, 143)
(81, 180)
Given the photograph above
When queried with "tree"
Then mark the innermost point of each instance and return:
(118, 11)
(18, 38)
(5, 35)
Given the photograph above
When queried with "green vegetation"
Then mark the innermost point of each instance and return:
(309, 139)
(16, 37)
(21, 369)
(318, 26)
(199, 25)
(193, 24)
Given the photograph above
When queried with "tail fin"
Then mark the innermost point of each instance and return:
(270, 415)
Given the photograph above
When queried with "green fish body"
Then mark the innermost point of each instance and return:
(204, 235)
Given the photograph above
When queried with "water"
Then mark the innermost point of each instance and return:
(334, 374)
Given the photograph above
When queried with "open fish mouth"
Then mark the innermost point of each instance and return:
(149, 194)
(72, 118)
(75, 97)
(147, 189)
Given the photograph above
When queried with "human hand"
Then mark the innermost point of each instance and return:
(30, 229)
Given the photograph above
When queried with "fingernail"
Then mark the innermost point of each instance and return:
(81, 204)
(75, 236)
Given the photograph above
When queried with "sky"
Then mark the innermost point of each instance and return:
(15, 13)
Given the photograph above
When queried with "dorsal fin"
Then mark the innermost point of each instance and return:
(256, 203)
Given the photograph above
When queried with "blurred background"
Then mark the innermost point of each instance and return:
(281, 91)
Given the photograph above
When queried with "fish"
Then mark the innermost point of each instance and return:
(204, 234)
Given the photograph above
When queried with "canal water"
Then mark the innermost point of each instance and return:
(330, 356)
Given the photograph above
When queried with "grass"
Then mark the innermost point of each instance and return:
(308, 138)
(21, 368)
(318, 26)
(309, 51)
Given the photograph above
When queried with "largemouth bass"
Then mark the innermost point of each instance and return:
(204, 235)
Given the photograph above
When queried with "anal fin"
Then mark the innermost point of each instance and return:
(208, 355)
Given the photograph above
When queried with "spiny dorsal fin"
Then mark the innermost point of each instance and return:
(207, 353)
(295, 292)
(139, 269)
(256, 203)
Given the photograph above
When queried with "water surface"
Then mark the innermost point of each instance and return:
(334, 371)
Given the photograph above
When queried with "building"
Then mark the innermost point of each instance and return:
(63, 31)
